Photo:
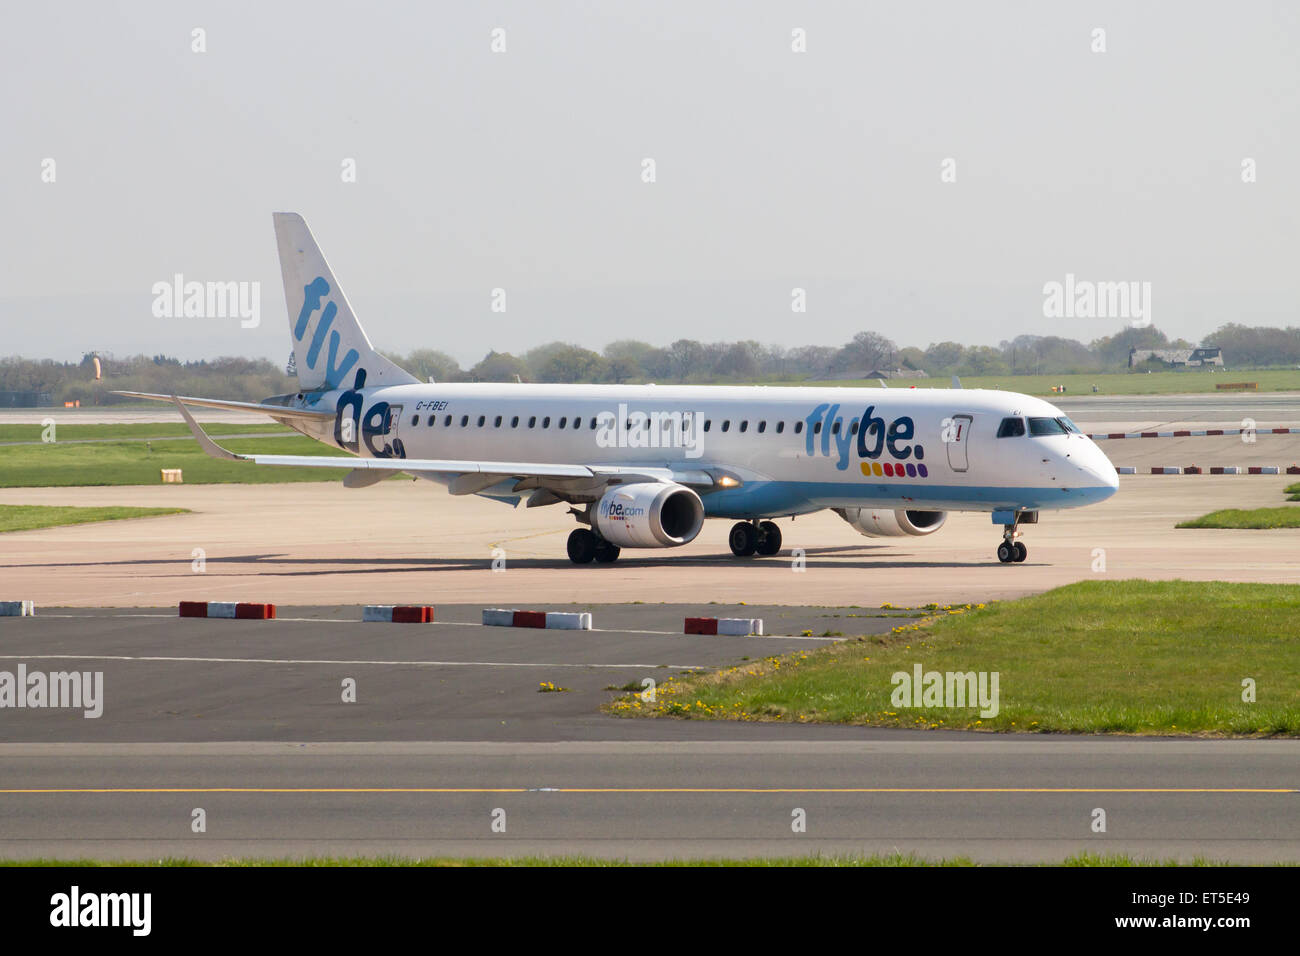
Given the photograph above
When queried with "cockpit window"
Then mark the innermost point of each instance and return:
(1041, 427)
(1069, 426)
(1011, 428)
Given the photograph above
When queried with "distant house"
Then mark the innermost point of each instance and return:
(1178, 358)
(896, 373)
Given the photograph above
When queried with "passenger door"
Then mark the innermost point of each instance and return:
(956, 433)
(391, 428)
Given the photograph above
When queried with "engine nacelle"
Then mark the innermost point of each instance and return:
(649, 514)
(879, 523)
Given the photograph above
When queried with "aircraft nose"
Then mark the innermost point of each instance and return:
(1099, 469)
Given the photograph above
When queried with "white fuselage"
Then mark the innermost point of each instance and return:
(793, 450)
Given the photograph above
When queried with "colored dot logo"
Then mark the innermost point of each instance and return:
(892, 470)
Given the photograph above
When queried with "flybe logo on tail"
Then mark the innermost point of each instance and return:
(313, 292)
(872, 435)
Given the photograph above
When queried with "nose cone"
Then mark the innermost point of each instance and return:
(1099, 473)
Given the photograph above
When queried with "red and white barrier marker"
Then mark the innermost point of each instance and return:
(1195, 433)
(228, 609)
(552, 620)
(1212, 470)
(398, 613)
(731, 626)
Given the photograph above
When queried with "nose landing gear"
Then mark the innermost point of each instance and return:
(1011, 551)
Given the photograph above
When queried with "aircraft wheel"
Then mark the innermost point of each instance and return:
(769, 538)
(582, 546)
(743, 539)
(1006, 554)
(1021, 552)
(606, 553)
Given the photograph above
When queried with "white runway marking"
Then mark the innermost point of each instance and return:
(272, 660)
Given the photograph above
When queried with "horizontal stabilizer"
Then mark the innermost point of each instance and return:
(277, 411)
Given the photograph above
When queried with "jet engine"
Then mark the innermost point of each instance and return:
(879, 523)
(649, 514)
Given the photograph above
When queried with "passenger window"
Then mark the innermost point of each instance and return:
(593, 423)
(798, 427)
(726, 424)
(546, 422)
(853, 429)
(532, 420)
(415, 420)
(577, 421)
(514, 422)
(496, 423)
(762, 427)
(707, 423)
(780, 427)
(464, 420)
(744, 425)
(563, 421)
(446, 422)
(817, 429)
(1011, 428)
(481, 420)
(433, 420)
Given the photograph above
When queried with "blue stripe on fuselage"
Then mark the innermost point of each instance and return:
(757, 499)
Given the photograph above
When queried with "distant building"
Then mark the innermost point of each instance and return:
(25, 399)
(1178, 358)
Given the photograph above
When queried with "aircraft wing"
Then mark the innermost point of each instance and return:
(469, 477)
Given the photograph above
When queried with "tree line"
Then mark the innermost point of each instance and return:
(634, 361)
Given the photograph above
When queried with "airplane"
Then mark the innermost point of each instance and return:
(642, 466)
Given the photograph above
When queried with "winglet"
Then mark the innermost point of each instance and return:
(206, 443)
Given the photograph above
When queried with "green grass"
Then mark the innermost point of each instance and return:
(30, 517)
(135, 463)
(70, 432)
(1292, 492)
(1252, 518)
(895, 859)
(1129, 657)
(1108, 383)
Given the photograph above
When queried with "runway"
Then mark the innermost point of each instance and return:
(992, 800)
(1280, 407)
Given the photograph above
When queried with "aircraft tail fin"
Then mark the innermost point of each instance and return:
(330, 348)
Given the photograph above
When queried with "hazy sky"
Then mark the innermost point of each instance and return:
(523, 169)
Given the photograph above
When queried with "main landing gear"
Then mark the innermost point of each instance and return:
(586, 546)
(754, 537)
